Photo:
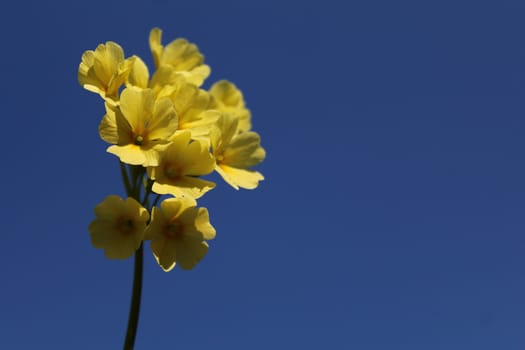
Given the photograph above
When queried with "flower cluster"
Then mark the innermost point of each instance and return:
(168, 132)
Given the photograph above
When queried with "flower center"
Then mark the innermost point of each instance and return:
(138, 140)
(172, 172)
(125, 225)
(174, 230)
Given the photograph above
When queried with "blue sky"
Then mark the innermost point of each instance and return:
(391, 216)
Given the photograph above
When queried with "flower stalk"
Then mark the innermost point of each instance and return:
(134, 310)
(136, 291)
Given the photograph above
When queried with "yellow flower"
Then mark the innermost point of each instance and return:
(191, 104)
(180, 55)
(119, 226)
(139, 126)
(178, 231)
(193, 108)
(104, 70)
(180, 164)
(228, 98)
(236, 153)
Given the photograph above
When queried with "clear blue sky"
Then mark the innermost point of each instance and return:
(392, 214)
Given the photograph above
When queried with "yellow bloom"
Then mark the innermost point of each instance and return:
(191, 104)
(139, 126)
(119, 226)
(193, 108)
(228, 98)
(178, 231)
(179, 165)
(235, 153)
(104, 70)
(180, 55)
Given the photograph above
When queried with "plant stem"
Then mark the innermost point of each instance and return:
(125, 178)
(133, 190)
(135, 301)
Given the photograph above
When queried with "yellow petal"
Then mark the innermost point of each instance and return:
(244, 151)
(182, 55)
(200, 226)
(115, 247)
(179, 141)
(139, 74)
(228, 98)
(165, 80)
(227, 128)
(172, 207)
(196, 159)
(164, 120)
(136, 105)
(185, 96)
(248, 179)
(119, 78)
(155, 227)
(165, 252)
(184, 186)
(107, 59)
(86, 80)
(114, 55)
(199, 123)
(152, 157)
(130, 154)
(155, 37)
(107, 128)
(197, 75)
(226, 94)
(109, 208)
(135, 209)
(190, 252)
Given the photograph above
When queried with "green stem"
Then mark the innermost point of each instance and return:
(133, 190)
(137, 172)
(147, 191)
(135, 301)
(125, 178)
